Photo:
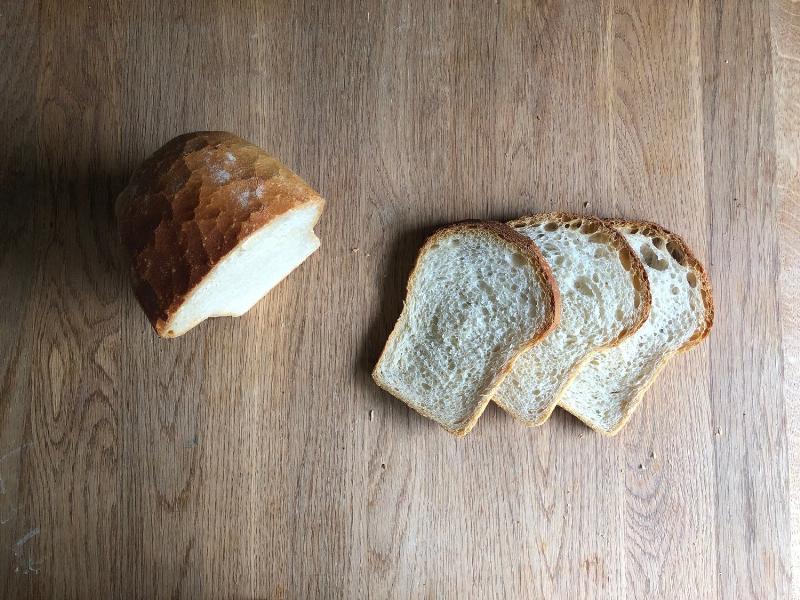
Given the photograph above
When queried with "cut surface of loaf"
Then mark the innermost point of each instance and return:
(611, 384)
(479, 294)
(211, 223)
(604, 298)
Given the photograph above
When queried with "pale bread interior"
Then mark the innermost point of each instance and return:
(474, 302)
(601, 298)
(609, 386)
(251, 269)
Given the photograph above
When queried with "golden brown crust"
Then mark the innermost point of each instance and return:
(189, 204)
(654, 230)
(528, 249)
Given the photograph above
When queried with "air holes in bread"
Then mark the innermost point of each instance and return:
(518, 260)
(589, 227)
(550, 226)
(599, 238)
(676, 253)
(619, 315)
(659, 242)
(582, 285)
(674, 290)
(651, 259)
(626, 259)
(692, 279)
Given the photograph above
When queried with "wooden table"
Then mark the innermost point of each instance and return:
(254, 457)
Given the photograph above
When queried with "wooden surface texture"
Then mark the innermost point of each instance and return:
(254, 457)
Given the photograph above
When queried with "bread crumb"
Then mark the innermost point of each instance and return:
(652, 454)
(367, 255)
(383, 465)
(585, 205)
(641, 466)
(718, 431)
(354, 250)
(371, 414)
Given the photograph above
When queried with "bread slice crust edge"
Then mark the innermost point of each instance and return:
(527, 248)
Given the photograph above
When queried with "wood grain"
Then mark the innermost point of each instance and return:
(658, 172)
(254, 457)
(785, 29)
(746, 387)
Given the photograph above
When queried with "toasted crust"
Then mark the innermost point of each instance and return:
(702, 332)
(189, 204)
(641, 283)
(527, 248)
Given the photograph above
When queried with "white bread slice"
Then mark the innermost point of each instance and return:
(473, 284)
(611, 384)
(211, 224)
(604, 298)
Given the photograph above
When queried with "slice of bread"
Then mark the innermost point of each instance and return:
(211, 224)
(611, 384)
(479, 295)
(604, 298)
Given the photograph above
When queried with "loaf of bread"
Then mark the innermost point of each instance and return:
(479, 295)
(211, 223)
